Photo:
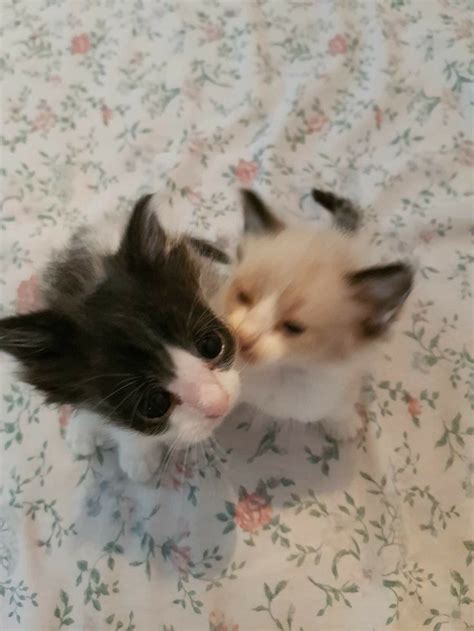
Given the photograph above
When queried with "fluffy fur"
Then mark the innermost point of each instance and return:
(306, 313)
(128, 338)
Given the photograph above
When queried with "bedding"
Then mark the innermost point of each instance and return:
(273, 526)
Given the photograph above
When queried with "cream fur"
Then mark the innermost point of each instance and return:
(299, 276)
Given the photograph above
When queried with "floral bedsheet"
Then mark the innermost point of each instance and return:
(275, 526)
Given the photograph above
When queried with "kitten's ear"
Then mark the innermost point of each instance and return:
(382, 290)
(209, 250)
(346, 215)
(37, 337)
(144, 238)
(258, 219)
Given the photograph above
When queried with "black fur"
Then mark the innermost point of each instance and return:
(102, 340)
(346, 215)
(209, 251)
(259, 219)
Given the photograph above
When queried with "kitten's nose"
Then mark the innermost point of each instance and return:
(215, 401)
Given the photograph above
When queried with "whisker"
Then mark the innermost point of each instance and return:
(130, 394)
(121, 386)
(123, 374)
(218, 448)
(168, 455)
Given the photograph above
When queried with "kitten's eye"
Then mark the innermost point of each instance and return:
(156, 404)
(244, 298)
(292, 328)
(210, 346)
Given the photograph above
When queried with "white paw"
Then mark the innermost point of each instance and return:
(341, 430)
(79, 440)
(138, 466)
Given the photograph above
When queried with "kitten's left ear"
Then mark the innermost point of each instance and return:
(383, 291)
(258, 218)
(347, 216)
(144, 238)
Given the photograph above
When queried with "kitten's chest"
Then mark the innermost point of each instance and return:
(302, 394)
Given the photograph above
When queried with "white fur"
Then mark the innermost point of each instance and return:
(308, 393)
(139, 454)
(197, 385)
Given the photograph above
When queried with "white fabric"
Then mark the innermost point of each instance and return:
(104, 100)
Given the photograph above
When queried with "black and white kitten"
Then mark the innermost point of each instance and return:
(129, 339)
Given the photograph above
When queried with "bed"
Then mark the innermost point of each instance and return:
(274, 526)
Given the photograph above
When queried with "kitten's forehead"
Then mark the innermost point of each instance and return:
(294, 259)
(304, 271)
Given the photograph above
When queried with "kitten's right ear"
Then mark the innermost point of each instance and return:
(258, 219)
(144, 238)
(382, 291)
(37, 337)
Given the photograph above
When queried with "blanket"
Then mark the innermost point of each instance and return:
(273, 526)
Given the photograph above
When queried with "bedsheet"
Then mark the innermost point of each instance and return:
(275, 526)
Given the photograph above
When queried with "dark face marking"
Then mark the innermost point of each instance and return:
(102, 340)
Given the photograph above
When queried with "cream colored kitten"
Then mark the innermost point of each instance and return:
(307, 312)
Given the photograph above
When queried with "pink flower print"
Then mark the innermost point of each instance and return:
(80, 44)
(45, 120)
(28, 295)
(191, 91)
(212, 33)
(426, 235)
(414, 406)
(252, 511)
(180, 557)
(337, 45)
(378, 117)
(106, 114)
(315, 124)
(217, 622)
(65, 412)
(193, 196)
(245, 172)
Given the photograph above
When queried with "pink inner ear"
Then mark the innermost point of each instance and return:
(197, 386)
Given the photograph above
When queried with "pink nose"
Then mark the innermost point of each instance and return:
(198, 386)
(214, 401)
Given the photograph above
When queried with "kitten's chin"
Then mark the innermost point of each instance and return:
(190, 427)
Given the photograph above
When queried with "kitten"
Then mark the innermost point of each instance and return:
(307, 313)
(128, 338)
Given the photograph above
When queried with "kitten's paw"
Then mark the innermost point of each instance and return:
(342, 430)
(138, 467)
(79, 440)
